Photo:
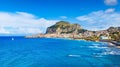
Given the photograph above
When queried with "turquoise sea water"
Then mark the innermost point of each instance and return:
(52, 52)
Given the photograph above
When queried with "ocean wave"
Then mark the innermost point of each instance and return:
(95, 44)
(111, 53)
(108, 53)
(98, 56)
(100, 47)
(73, 55)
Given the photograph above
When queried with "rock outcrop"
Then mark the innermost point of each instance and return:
(63, 27)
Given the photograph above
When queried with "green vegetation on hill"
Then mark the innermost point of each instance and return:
(82, 30)
(114, 33)
(115, 36)
(64, 27)
(92, 38)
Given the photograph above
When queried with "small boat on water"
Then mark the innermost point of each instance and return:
(12, 38)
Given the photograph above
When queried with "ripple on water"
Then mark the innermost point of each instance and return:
(56, 53)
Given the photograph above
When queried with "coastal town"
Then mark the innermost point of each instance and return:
(63, 29)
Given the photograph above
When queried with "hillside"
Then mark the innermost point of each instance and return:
(63, 27)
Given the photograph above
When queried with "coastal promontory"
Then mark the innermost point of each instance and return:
(64, 29)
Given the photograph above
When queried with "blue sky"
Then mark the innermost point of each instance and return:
(23, 17)
(54, 8)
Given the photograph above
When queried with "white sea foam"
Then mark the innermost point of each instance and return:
(97, 47)
(98, 56)
(74, 55)
(95, 44)
(111, 53)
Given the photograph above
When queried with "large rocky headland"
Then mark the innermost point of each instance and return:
(63, 29)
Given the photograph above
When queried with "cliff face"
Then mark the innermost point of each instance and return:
(64, 27)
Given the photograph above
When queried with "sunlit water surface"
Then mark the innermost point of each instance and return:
(53, 52)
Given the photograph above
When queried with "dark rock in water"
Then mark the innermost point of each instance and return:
(116, 43)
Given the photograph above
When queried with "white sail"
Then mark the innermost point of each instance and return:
(12, 38)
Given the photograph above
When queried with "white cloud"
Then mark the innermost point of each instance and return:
(111, 2)
(63, 17)
(3, 31)
(100, 20)
(110, 10)
(23, 23)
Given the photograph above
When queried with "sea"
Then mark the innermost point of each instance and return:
(17, 51)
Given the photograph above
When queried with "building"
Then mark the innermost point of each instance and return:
(105, 38)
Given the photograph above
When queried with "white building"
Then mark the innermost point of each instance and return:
(104, 38)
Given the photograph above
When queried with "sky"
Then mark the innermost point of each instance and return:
(27, 17)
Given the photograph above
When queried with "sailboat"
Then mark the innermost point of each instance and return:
(12, 38)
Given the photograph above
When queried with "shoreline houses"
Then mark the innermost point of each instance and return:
(105, 38)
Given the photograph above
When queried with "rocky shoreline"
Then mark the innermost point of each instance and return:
(74, 37)
(112, 43)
